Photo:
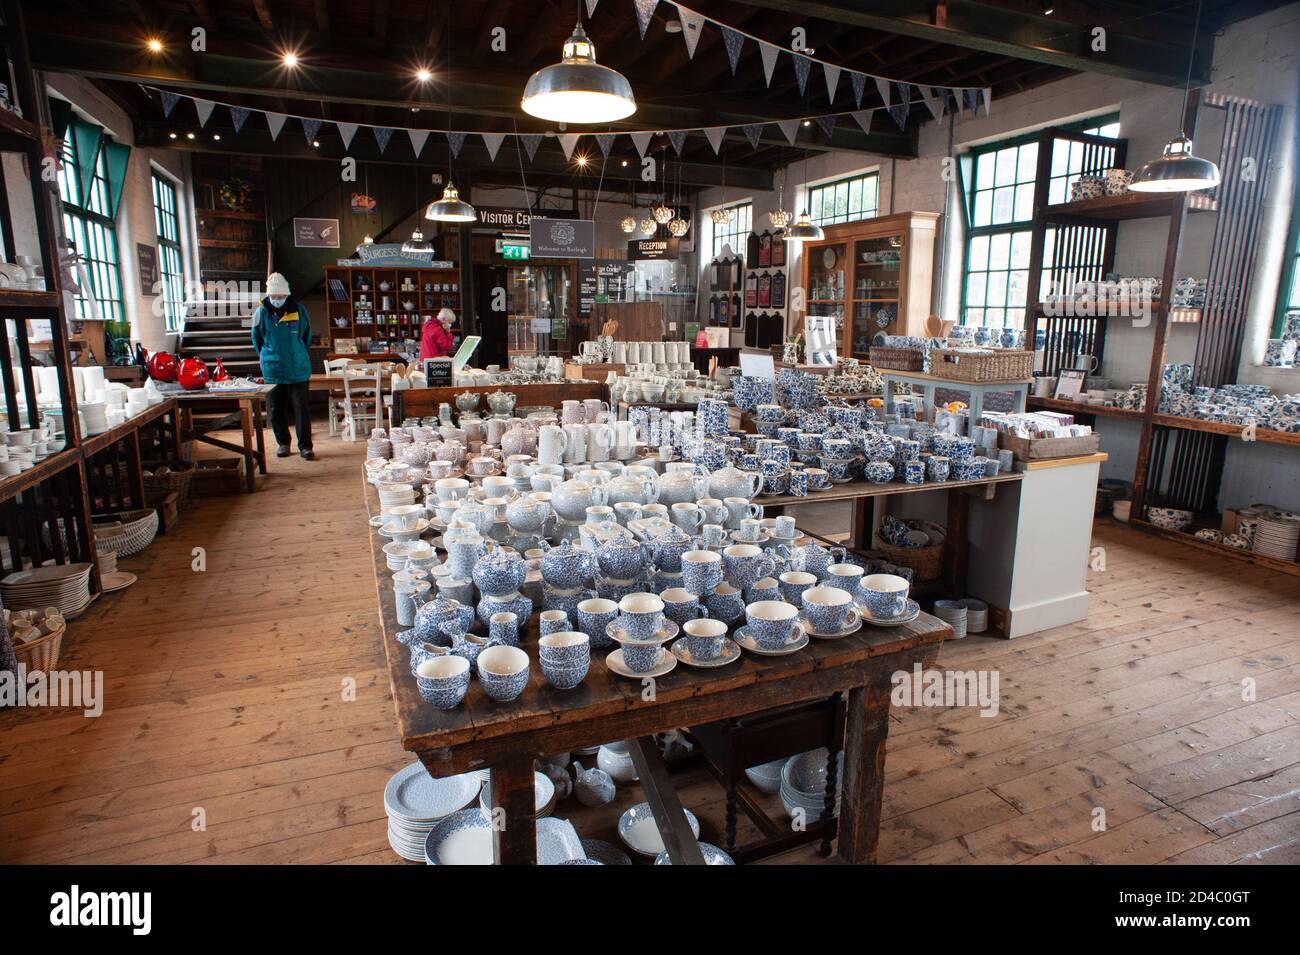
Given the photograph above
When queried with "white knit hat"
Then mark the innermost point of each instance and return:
(277, 284)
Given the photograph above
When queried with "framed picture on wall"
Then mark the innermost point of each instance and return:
(764, 250)
(778, 252)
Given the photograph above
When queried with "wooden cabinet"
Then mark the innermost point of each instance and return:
(874, 277)
(387, 303)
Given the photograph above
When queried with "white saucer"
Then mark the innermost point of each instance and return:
(831, 636)
(118, 580)
(730, 654)
(913, 611)
(615, 664)
(662, 635)
(743, 638)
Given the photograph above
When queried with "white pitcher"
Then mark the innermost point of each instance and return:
(572, 412)
(552, 443)
(575, 438)
(600, 438)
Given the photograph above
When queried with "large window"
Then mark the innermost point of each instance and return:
(845, 200)
(169, 251)
(88, 223)
(736, 232)
(1000, 211)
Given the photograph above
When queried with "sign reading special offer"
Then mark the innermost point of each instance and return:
(562, 238)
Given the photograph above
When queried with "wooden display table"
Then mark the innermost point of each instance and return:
(508, 737)
(249, 415)
(423, 402)
(976, 389)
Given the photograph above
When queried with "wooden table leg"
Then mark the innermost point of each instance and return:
(956, 549)
(134, 469)
(683, 848)
(258, 427)
(246, 426)
(864, 773)
(514, 803)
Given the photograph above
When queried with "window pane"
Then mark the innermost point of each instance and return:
(1020, 250)
(1016, 288)
(984, 171)
(1000, 251)
(979, 253)
(1003, 205)
(1006, 167)
(1028, 163)
(983, 213)
(1024, 209)
(975, 287)
(997, 289)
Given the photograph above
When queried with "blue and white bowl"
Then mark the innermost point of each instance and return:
(640, 833)
(503, 672)
(443, 680)
(712, 856)
(879, 472)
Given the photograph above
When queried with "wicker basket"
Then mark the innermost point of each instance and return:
(176, 480)
(130, 533)
(897, 359)
(997, 365)
(926, 562)
(42, 654)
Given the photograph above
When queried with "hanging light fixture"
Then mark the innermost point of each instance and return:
(417, 243)
(578, 89)
(679, 227)
(662, 212)
(804, 230)
(723, 216)
(451, 207)
(778, 217)
(1177, 170)
(647, 225)
(628, 224)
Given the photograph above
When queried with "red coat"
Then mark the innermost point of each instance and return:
(435, 342)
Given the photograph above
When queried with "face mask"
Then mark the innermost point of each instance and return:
(279, 300)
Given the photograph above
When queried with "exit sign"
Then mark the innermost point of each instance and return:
(513, 251)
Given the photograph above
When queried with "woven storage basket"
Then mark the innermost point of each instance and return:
(131, 533)
(926, 562)
(177, 480)
(998, 365)
(897, 359)
(42, 654)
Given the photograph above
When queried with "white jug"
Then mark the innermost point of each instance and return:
(575, 438)
(600, 438)
(552, 443)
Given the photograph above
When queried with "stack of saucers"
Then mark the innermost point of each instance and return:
(66, 586)
(416, 802)
(394, 494)
(977, 615)
(1277, 535)
(953, 613)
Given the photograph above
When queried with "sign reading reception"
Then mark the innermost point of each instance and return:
(562, 238)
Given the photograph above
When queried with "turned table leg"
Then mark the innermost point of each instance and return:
(828, 807)
(864, 772)
(731, 817)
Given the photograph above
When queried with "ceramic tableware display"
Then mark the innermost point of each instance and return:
(565, 657)
(829, 612)
(503, 672)
(594, 616)
(443, 680)
(772, 623)
(885, 595)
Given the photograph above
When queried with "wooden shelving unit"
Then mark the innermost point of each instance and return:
(354, 301)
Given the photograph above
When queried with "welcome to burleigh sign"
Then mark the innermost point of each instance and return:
(385, 253)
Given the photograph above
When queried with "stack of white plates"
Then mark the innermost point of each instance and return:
(395, 495)
(977, 615)
(94, 417)
(416, 802)
(544, 803)
(66, 586)
(1277, 535)
(953, 613)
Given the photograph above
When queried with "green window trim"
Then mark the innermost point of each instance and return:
(171, 261)
(88, 223)
(860, 194)
(1288, 290)
(736, 232)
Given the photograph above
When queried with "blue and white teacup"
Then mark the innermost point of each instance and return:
(937, 467)
(739, 508)
(844, 575)
(704, 638)
(818, 478)
(771, 623)
(837, 447)
(595, 614)
(504, 626)
(750, 461)
(443, 680)
(642, 657)
(726, 603)
(643, 615)
(793, 583)
(552, 621)
(713, 535)
(829, 609)
(769, 413)
(788, 436)
(503, 672)
(701, 571)
(798, 484)
(914, 472)
(766, 589)
(680, 605)
(885, 595)
(746, 564)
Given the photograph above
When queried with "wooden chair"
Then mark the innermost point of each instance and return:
(361, 400)
(334, 368)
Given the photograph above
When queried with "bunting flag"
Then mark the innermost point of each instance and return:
(754, 132)
(692, 27)
(455, 141)
(859, 81)
(734, 40)
(641, 141)
(382, 135)
(239, 115)
(169, 101)
(493, 141)
(801, 67)
(933, 101)
(606, 142)
(827, 125)
(769, 53)
(531, 141)
(882, 87)
(790, 127)
(678, 138)
(418, 138)
(346, 132)
(567, 142)
(591, 8)
(832, 80)
(987, 93)
(310, 128)
(904, 105)
(971, 101)
(275, 122)
(863, 118)
(204, 108)
(715, 135)
(645, 9)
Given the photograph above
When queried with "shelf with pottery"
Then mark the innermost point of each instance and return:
(1262, 435)
(350, 290)
(424, 402)
(1215, 547)
(1079, 407)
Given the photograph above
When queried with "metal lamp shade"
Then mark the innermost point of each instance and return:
(804, 230)
(578, 89)
(450, 208)
(1176, 171)
(417, 243)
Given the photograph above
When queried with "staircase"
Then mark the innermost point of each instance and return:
(221, 328)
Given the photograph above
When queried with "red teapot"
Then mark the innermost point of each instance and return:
(192, 374)
(162, 366)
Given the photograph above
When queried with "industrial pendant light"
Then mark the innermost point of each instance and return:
(1178, 170)
(578, 89)
(804, 230)
(417, 243)
(451, 207)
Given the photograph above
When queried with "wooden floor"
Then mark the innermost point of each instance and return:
(230, 734)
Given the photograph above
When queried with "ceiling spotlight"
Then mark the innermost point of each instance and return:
(1048, 8)
(673, 26)
(315, 144)
(423, 75)
(217, 137)
(578, 89)
(582, 160)
(155, 45)
(171, 135)
(807, 122)
(189, 135)
(289, 58)
(624, 163)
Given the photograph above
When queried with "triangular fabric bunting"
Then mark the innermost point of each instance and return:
(275, 123)
(455, 141)
(591, 7)
(346, 132)
(310, 128)
(801, 67)
(169, 101)
(641, 141)
(791, 129)
(832, 80)
(678, 138)
(692, 27)
(493, 142)
(715, 135)
(531, 141)
(418, 138)
(933, 101)
(382, 135)
(567, 142)
(733, 40)
(239, 115)
(972, 100)
(645, 9)
(987, 93)
(904, 105)
(882, 87)
(863, 118)
(827, 124)
(754, 132)
(770, 54)
(606, 142)
(204, 108)
(859, 87)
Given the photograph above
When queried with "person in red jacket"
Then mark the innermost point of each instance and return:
(436, 341)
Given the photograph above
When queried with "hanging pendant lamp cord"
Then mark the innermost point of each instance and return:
(1187, 83)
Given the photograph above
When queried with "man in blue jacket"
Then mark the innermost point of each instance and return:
(281, 334)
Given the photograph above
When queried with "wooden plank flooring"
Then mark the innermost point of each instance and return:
(1174, 708)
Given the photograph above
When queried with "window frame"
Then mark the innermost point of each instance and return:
(1288, 290)
(733, 232)
(93, 233)
(812, 191)
(171, 255)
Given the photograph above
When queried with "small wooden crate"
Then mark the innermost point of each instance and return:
(218, 476)
(998, 365)
(576, 372)
(1039, 449)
